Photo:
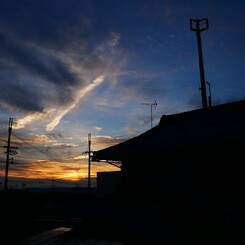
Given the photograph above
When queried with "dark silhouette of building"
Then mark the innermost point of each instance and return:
(188, 171)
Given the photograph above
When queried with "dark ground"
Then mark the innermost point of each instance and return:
(25, 214)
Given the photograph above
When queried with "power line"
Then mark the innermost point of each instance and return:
(56, 160)
(126, 136)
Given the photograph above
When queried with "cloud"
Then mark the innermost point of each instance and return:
(97, 129)
(27, 120)
(50, 51)
(80, 95)
(49, 82)
(56, 114)
(15, 97)
(103, 141)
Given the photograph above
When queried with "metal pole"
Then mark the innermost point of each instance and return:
(151, 116)
(195, 25)
(89, 163)
(153, 104)
(209, 97)
(8, 151)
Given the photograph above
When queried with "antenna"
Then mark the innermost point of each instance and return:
(198, 26)
(151, 105)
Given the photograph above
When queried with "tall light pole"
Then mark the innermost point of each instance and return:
(198, 26)
(151, 105)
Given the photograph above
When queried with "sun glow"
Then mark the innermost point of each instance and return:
(49, 170)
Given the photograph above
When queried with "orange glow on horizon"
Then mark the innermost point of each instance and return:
(43, 169)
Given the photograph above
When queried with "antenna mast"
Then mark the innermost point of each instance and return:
(198, 26)
(151, 105)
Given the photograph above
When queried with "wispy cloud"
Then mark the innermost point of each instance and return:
(79, 96)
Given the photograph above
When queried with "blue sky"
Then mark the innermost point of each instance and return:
(69, 68)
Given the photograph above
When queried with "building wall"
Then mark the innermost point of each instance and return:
(108, 183)
(208, 169)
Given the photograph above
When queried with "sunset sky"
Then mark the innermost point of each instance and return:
(70, 68)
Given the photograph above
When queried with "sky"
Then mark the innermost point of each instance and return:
(109, 69)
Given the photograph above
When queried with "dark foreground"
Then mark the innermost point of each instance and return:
(25, 214)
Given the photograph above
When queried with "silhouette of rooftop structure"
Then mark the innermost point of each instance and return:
(187, 174)
(219, 124)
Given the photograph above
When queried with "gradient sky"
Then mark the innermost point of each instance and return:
(70, 68)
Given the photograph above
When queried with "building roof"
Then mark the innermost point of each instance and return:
(220, 123)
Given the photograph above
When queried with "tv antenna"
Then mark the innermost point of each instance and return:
(151, 105)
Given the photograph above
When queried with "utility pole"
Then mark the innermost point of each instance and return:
(89, 163)
(8, 152)
(198, 26)
(151, 105)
